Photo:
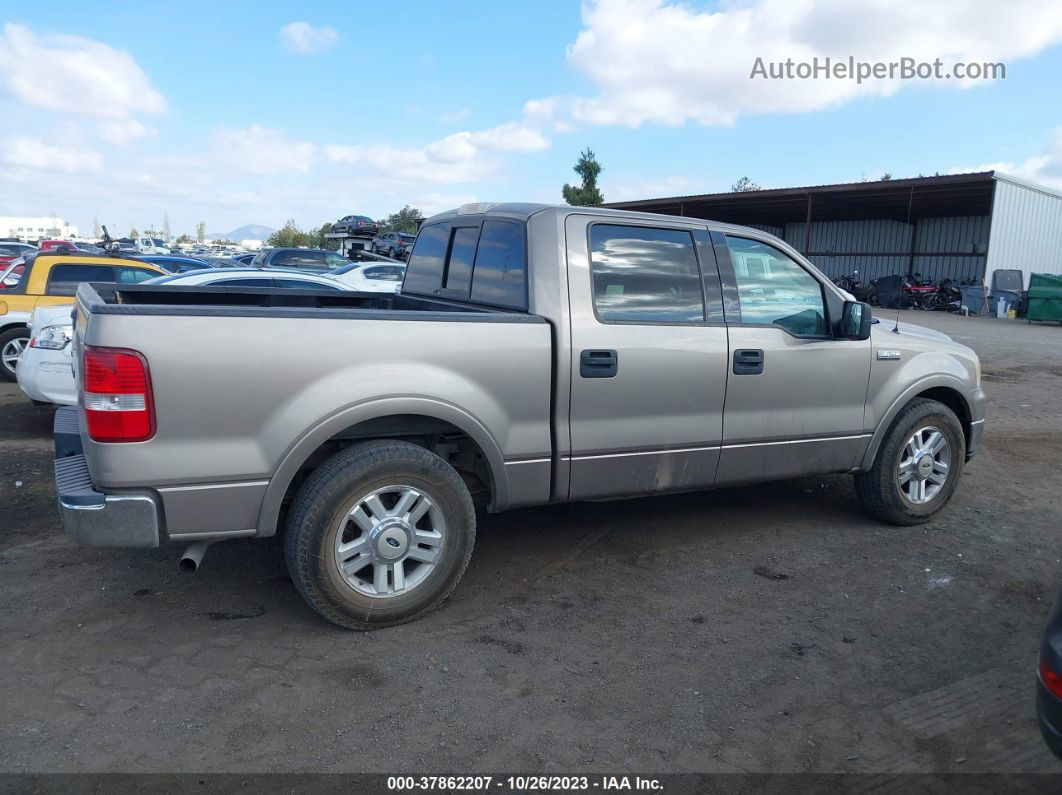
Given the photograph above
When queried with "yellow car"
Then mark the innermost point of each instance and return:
(49, 278)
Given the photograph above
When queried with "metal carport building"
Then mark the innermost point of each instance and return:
(959, 226)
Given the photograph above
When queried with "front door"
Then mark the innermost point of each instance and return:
(795, 395)
(649, 357)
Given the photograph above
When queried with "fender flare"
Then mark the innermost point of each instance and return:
(929, 382)
(328, 427)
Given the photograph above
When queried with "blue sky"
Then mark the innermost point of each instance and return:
(213, 113)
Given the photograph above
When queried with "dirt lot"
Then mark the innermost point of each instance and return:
(772, 628)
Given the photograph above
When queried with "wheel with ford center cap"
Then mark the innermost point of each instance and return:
(917, 467)
(379, 534)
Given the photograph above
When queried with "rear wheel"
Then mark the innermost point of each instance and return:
(380, 534)
(12, 343)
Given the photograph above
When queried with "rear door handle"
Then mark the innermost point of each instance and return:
(748, 361)
(598, 364)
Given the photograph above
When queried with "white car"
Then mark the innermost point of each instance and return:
(251, 277)
(44, 370)
(371, 277)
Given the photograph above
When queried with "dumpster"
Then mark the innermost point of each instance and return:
(1045, 297)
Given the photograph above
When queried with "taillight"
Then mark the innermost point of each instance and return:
(1052, 680)
(116, 395)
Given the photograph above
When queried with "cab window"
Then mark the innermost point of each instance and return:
(774, 289)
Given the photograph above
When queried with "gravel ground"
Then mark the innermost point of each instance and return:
(770, 629)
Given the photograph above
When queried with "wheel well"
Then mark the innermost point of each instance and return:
(954, 401)
(444, 439)
(9, 326)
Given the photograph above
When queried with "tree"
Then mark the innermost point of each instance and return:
(744, 185)
(200, 232)
(133, 234)
(405, 220)
(185, 240)
(323, 242)
(166, 226)
(885, 177)
(225, 243)
(587, 194)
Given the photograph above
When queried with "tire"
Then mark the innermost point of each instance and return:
(12, 341)
(880, 489)
(336, 499)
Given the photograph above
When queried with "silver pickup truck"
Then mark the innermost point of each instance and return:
(535, 354)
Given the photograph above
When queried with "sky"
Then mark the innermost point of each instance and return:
(238, 112)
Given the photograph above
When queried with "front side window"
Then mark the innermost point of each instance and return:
(645, 275)
(132, 275)
(773, 289)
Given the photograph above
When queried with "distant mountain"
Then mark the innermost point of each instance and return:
(246, 232)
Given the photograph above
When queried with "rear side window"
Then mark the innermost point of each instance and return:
(133, 275)
(299, 284)
(645, 275)
(500, 275)
(64, 279)
(425, 269)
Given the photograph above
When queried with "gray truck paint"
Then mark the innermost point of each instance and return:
(245, 396)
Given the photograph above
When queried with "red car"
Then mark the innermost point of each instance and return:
(56, 245)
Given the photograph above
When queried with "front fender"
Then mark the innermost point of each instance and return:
(937, 380)
(373, 409)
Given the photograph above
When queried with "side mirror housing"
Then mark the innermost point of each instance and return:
(855, 322)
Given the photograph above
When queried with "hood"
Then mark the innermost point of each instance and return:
(910, 330)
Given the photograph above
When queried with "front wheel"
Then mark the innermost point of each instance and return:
(12, 343)
(379, 534)
(917, 467)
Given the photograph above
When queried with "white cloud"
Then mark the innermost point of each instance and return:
(304, 39)
(34, 153)
(75, 75)
(656, 61)
(431, 203)
(454, 116)
(461, 157)
(1045, 167)
(124, 131)
(644, 189)
(262, 150)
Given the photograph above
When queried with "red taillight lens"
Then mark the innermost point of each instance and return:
(1052, 680)
(116, 395)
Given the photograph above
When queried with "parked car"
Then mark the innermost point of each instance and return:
(317, 260)
(1049, 680)
(52, 278)
(370, 277)
(356, 225)
(44, 370)
(172, 263)
(252, 277)
(535, 354)
(244, 259)
(395, 245)
(14, 249)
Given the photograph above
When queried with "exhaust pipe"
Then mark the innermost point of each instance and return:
(192, 558)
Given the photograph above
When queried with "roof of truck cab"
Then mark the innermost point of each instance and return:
(522, 211)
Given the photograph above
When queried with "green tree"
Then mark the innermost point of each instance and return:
(885, 177)
(405, 220)
(323, 242)
(134, 234)
(185, 240)
(587, 194)
(200, 232)
(744, 185)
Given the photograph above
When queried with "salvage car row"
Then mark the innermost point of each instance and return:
(46, 278)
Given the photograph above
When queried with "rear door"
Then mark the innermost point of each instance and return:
(649, 357)
(795, 397)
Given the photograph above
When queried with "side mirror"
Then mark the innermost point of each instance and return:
(855, 323)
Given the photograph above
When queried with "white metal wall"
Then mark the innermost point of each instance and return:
(1026, 229)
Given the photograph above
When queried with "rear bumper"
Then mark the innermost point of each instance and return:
(91, 518)
(1049, 714)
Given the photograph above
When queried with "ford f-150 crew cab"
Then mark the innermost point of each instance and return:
(534, 354)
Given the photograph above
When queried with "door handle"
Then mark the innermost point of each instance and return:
(748, 361)
(598, 364)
